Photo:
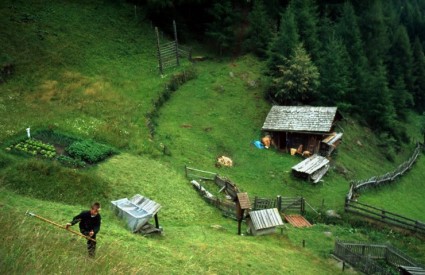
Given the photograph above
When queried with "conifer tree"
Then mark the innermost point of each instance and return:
(307, 18)
(259, 33)
(380, 110)
(335, 76)
(348, 30)
(418, 73)
(221, 27)
(298, 80)
(283, 45)
(401, 59)
(402, 99)
(375, 35)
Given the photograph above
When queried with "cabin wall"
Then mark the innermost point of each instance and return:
(287, 140)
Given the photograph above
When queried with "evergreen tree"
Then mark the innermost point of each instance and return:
(402, 99)
(418, 72)
(259, 33)
(401, 59)
(335, 76)
(298, 80)
(380, 110)
(375, 35)
(348, 30)
(307, 18)
(283, 45)
(221, 27)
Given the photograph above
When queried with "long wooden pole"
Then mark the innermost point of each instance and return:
(60, 226)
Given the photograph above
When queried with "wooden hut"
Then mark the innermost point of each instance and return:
(261, 222)
(303, 128)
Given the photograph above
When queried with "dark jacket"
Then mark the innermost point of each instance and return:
(87, 222)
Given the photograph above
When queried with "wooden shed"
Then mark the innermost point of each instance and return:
(293, 126)
(261, 222)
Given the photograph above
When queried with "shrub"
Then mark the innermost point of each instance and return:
(89, 151)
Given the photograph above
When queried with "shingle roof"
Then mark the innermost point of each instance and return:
(244, 200)
(300, 119)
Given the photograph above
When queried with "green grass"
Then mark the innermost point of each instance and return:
(224, 114)
(89, 69)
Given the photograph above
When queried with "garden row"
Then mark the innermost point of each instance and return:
(67, 149)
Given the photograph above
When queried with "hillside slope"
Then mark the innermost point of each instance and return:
(89, 68)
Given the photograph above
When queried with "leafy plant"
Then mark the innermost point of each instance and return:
(90, 151)
(34, 147)
(70, 162)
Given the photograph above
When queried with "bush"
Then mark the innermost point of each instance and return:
(89, 151)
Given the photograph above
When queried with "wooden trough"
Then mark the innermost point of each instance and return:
(312, 168)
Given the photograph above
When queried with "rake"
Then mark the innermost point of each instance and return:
(58, 225)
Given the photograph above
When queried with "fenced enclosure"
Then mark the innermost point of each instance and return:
(226, 206)
(364, 257)
(169, 53)
(391, 176)
(384, 216)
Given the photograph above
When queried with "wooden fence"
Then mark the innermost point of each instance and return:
(169, 53)
(227, 207)
(391, 176)
(384, 216)
(283, 204)
(362, 255)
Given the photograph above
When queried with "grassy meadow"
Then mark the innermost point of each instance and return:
(89, 68)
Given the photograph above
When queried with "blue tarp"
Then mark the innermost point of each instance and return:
(258, 144)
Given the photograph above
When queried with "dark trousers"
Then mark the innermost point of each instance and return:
(91, 245)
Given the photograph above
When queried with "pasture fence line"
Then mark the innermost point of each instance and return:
(384, 216)
(362, 256)
(391, 176)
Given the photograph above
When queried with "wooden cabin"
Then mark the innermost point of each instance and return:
(312, 127)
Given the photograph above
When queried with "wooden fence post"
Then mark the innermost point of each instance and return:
(158, 51)
(279, 203)
(302, 206)
(176, 43)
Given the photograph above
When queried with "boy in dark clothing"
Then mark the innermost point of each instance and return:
(89, 225)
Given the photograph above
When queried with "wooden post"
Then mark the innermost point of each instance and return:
(135, 12)
(343, 265)
(156, 221)
(176, 43)
(302, 206)
(185, 170)
(255, 203)
(279, 203)
(158, 51)
(303, 243)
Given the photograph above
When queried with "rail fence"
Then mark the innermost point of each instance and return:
(283, 204)
(391, 176)
(384, 216)
(379, 214)
(363, 256)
